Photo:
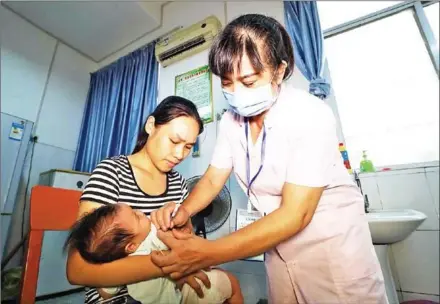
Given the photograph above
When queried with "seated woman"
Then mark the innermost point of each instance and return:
(144, 180)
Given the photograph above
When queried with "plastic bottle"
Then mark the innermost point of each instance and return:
(366, 164)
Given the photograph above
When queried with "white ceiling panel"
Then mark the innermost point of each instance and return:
(96, 29)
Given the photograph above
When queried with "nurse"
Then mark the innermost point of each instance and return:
(282, 146)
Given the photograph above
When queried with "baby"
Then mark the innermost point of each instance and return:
(115, 231)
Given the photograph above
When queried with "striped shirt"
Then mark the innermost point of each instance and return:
(113, 182)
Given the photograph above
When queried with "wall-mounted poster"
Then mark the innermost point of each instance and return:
(196, 85)
(17, 130)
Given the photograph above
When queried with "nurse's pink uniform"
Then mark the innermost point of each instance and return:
(332, 260)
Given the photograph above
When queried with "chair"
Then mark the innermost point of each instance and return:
(50, 209)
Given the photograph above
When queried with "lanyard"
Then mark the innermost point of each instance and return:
(248, 173)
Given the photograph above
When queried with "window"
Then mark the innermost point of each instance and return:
(387, 91)
(333, 13)
(432, 14)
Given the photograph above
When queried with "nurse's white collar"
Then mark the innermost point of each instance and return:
(271, 116)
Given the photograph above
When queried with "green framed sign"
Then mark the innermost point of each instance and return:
(196, 85)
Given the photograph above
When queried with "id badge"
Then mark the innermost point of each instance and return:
(244, 218)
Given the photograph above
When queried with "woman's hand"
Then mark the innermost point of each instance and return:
(188, 253)
(162, 217)
(193, 283)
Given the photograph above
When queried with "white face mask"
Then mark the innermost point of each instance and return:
(249, 102)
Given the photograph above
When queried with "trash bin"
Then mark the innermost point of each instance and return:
(11, 282)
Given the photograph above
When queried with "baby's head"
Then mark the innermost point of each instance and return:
(109, 233)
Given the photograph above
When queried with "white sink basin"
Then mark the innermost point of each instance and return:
(391, 226)
(388, 227)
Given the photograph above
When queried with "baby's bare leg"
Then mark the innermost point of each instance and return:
(237, 296)
(225, 288)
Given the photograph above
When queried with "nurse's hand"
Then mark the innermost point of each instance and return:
(162, 217)
(188, 253)
(187, 228)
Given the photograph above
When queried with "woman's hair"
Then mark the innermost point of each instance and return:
(244, 35)
(170, 108)
(96, 238)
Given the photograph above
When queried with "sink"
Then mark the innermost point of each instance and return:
(388, 227)
(391, 226)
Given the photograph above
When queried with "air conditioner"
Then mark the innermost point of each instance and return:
(187, 41)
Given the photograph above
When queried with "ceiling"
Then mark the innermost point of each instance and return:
(95, 29)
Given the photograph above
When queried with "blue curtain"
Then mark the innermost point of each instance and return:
(120, 98)
(303, 26)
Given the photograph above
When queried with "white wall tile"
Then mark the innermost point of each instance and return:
(417, 261)
(369, 188)
(400, 296)
(409, 296)
(401, 171)
(432, 177)
(393, 267)
(409, 191)
(433, 167)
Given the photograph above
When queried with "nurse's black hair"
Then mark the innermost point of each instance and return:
(170, 108)
(251, 34)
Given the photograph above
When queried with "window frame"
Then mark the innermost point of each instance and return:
(427, 36)
(419, 16)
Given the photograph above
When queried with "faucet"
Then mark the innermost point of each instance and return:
(358, 182)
